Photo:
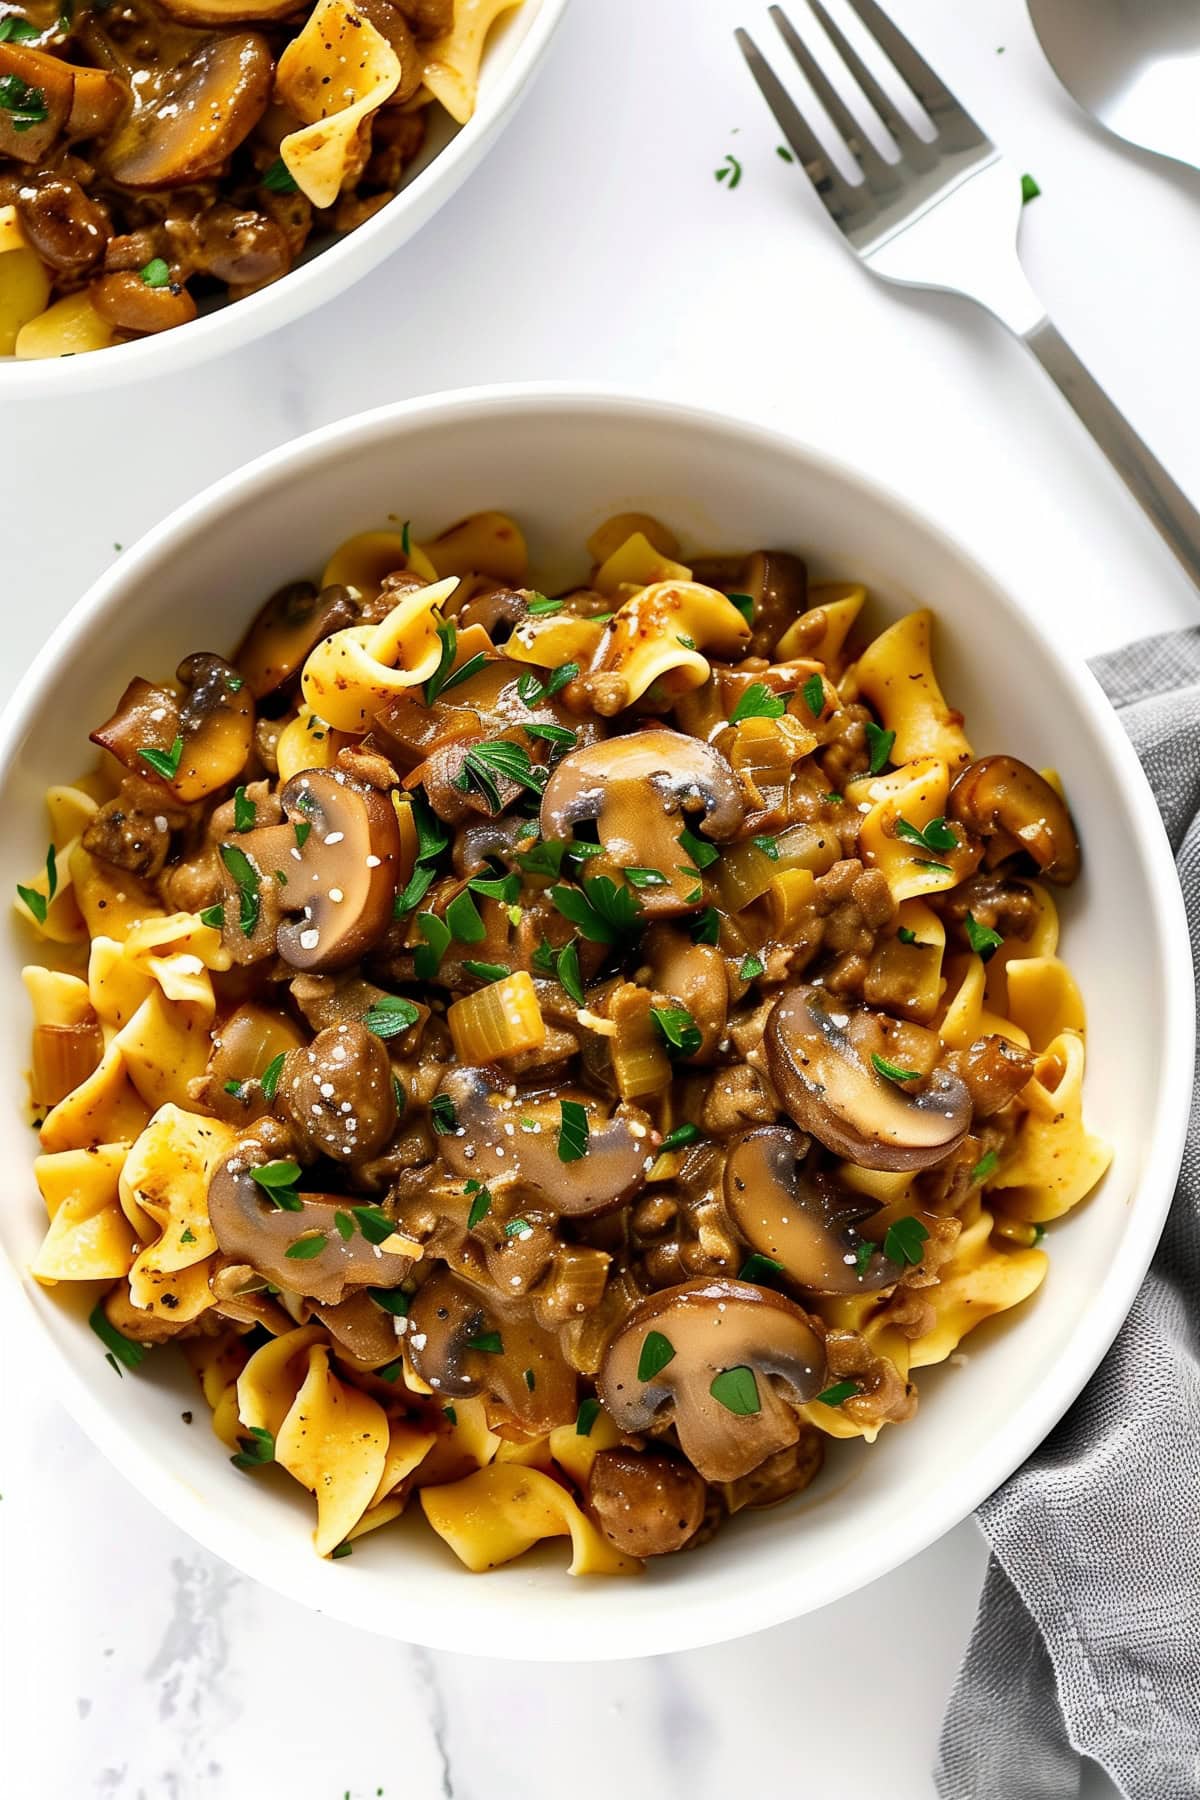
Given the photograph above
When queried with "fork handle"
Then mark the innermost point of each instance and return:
(1165, 504)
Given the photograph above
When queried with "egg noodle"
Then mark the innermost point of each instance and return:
(560, 1059)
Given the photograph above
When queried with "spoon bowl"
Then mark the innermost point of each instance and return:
(1133, 64)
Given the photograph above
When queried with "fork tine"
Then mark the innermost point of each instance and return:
(839, 195)
(878, 171)
(911, 143)
(926, 84)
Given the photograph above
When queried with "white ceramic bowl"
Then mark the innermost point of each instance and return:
(561, 462)
(515, 49)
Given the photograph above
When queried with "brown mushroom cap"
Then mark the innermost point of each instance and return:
(243, 1047)
(293, 622)
(645, 1502)
(833, 1092)
(801, 1217)
(361, 1330)
(693, 975)
(520, 1364)
(251, 1229)
(340, 880)
(489, 1145)
(641, 790)
(714, 1329)
(1002, 797)
(338, 1095)
(188, 120)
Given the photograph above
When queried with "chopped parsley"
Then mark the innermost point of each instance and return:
(768, 845)
(443, 1115)
(246, 876)
(392, 1300)
(498, 759)
(278, 1182)
(255, 1449)
(732, 168)
(481, 1204)
(983, 940)
(879, 746)
(905, 935)
(463, 918)
(269, 1079)
(540, 607)
(937, 835)
(375, 1225)
(39, 904)
(702, 853)
(164, 762)
(760, 1269)
(1029, 189)
(657, 1352)
(645, 878)
(601, 911)
(841, 1390)
(752, 967)
(120, 1348)
(244, 811)
(485, 971)
(213, 916)
(390, 1015)
(305, 1248)
(588, 1412)
(744, 604)
(490, 1342)
(682, 1134)
(427, 957)
(559, 737)
(984, 1167)
(17, 31)
(892, 1070)
(678, 1028)
(566, 967)
(814, 695)
(904, 1241)
(278, 179)
(737, 1390)
(706, 927)
(758, 702)
(572, 1131)
(25, 104)
(156, 273)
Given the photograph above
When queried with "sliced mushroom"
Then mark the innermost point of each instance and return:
(775, 580)
(725, 1362)
(292, 622)
(186, 120)
(645, 1502)
(362, 1330)
(214, 718)
(994, 1070)
(801, 1217)
(338, 1094)
(226, 12)
(511, 1141)
(250, 1228)
(642, 790)
(334, 863)
(1004, 799)
(243, 1048)
(463, 1342)
(839, 1095)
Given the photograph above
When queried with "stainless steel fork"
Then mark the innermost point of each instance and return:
(941, 212)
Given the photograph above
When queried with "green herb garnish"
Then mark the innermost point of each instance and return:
(701, 852)
(539, 607)
(213, 916)
(879, 746)
(572, 1131)
(278, 1182)
(498, 759)
(375, 1225)
(246, 876)
(678, 1028)
(768, 845)
(278, 179)
(120, 1348)
(566, 967)
(588, 1412)
(752, 967)
(645, 878)
(164, 762)
(390, 1015)
(481, 1205)
(256, 1449)
(268, 1081)
(427, 957)
(602, 911)
(392, 1300)
(904, 1241)
(485, 971)
(305, 1248)
(156, 273)
(244, 811)
(814, 695)
(706, 927)
(462, 916)
(841, 1390)
(983, 940)
(442, 1114)
(490, 1342)
(744, 604)
(905, 935)
(17, 31)
(761, 1269)
(937, 835)
(657, 1352)
(1029, 189)
(891, 1070)
(758, 702)
(984, 1167)
(675, 1140)
(25, 104)
(737, 1390)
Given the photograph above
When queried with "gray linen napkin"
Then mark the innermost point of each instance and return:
(1087, 1641)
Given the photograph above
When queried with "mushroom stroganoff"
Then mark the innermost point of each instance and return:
(155, 153)
(560, 1060)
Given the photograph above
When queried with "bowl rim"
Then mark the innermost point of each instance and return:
(310, 284)
(684, 1622)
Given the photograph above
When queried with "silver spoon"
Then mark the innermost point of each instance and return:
(1133, 64)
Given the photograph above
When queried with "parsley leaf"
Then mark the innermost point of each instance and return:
(498, 758)
(427, 957)
(588, 1410)
(814, 695)
(124, 1349)
(244, 811)
(758, 702)
(572, 1132)
(879, 746)
(156, 273)
(278, 179)
(485, 971)
(657, 1352)
(390, 1015)
(984, 1167)
(443, 1115)
(566, 967)
(891, 1070)
(682, 1134)
(706, 927)
(246, 876)
(983, 940)
(760, 1269)
(278, 1182)
(737, 1390)
(841, 1390)
(164, 762)
(481, 1205)
(937, 835)
(602, 911)
(462, 916)
(25, 104)
(255, 1450)
(305, 1248)
(904, 1240)
(752, 967)
(744, 604)
(678, 1028)
(701, 852)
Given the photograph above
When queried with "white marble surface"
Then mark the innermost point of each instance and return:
(594, 244)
